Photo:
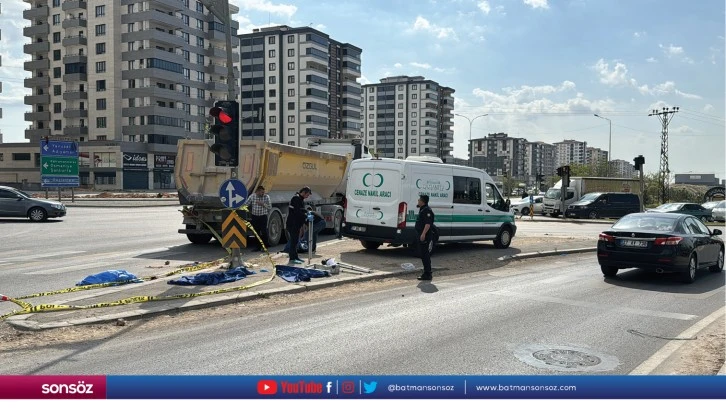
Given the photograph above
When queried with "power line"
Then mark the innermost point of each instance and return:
(664, 173)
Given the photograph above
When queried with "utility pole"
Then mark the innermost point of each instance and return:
(220, 9)
(665, 115)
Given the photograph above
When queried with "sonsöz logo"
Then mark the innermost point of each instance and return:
(80, 388)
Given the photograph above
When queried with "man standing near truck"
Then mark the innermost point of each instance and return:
(296, 215)
(259, 206)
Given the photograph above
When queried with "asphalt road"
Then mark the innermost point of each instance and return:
(509, 320)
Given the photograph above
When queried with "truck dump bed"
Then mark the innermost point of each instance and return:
(282, 169)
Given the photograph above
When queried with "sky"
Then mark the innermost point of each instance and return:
(539, 69)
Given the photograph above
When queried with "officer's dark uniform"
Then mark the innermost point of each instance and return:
(425, 216)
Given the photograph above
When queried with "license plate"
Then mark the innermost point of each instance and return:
(358, 229)
(634, 243)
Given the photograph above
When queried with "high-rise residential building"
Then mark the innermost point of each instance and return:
(126, 79)
(539, 159)
(500, 154)
(570, 152)
(298, 83)
(595, 155)
(1, 83)
(622, 168)
(408, 116)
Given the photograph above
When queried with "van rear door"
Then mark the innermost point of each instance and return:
(372, 193)
(435, 182)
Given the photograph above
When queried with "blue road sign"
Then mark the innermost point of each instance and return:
(59, 164)
(233, 193)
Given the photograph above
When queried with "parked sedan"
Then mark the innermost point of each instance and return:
(664, 242)
(16, 203)
(695, 210)
(718, 213)
(522, 206)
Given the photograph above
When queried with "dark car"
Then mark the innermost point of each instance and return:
(604, 205)
(17, 203)
(662, 242)
(693, 209)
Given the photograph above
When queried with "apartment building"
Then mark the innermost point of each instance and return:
(500, 154)
(1, 82)
(408, 116)
(595, 155)
(539, 159)
(570, 152)
(126, 79)
(298, 83)
(623, 168)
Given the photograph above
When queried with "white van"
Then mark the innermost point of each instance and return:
(381, 198)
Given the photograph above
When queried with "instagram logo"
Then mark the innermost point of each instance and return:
(347, 387)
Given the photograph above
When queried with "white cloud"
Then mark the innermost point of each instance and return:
(671, 50)
(421, 24)
(287, 10)
(363, 80)
(537, 4)
(684, 129)
(617, 76)
(421, 65)
(708, 108)
(484, 7)
(687, 95)
(651, 60)
(320, 27)
(500, 10)
(639, 34)
(397, 65)
(688, 60)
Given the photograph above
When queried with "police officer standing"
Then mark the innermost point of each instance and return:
(424, 229)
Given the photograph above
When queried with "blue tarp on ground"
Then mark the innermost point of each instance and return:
(295, 274)
(213, 278)
(114, 276)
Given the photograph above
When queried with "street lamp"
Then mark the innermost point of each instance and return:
(610, 143)
(471, 148)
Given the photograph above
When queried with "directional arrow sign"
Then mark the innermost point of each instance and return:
(232, 193)
(58, 164)
(234, 232)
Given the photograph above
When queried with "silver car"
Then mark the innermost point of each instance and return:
(16, 203)
(718, 213)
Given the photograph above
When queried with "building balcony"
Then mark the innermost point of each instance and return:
(75, 59)
(154, 17)
(72, 113)
(73, 95)
(217, 86)
(37, 116)
(81, 76)
(154, 110)
(38, 81)
(214, 69)
(37, 29)
(35, 133)
(154, 35)
(39, 64)
(154, 129)
(70, 5)
(216, 52)
(152, 91)
(75, 130)
(74, 40)
(214, 35)
(36, 12)
(40, 47)
(73, 22)
(172, 5)
(43, 99)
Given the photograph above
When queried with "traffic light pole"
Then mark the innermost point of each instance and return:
(220, 9)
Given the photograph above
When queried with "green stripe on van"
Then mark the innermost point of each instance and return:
(466, 218)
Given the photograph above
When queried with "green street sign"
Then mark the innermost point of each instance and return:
(59, 166)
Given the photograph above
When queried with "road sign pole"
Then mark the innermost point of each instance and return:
(236, 260)
(310, 241)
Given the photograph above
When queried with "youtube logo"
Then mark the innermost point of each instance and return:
(267, 387)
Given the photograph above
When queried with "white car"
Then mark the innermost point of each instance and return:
(522, 207)
(718, 213)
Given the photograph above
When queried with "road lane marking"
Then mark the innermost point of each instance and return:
(54, 271)
(599, 306)
(42, 255)
(649, 365)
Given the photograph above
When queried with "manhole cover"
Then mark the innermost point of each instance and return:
(565, 358)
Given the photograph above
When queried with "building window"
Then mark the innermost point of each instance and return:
(400, 123)
(400, 96)
(56, 38)
(371, 134)
(291, 52)
(273, 132)
(56, 55)
(200, 42)
(21, 156)
(101, 123)
(371, 107)
(400, 106)
(290, 92)
(100, 48)
(56, 3)
(291, 66)
(414, 96)
(200, 59)
(413, 133)
(400, 149)
(290, 39)
(400, 87)
(413, 150)
(56, 90)
(273, 106)
(271, 66)
(270, 40)
(57, 107)
(414, 105)
(56, 19)
(400, 114)
(414, 114)
(200, 7)
(57, 124)
(291, 119)
(272, 93)
(101, 137)
(56, 72)
(272, 80)
(101, 66)
(291, 106)
(371, 116)
(273, 119)
(400, 133)
(101, 85)
(271, 53)
(371, 124)
(101, 104)
(101, 29)
(291, 132)
(414, 87)
(100, 11)
(291, 79)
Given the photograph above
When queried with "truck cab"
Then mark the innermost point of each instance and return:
(552, 203)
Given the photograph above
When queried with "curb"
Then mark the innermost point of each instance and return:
(547, 253)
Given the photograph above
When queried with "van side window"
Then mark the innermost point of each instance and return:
(494, 199)
(467, 190)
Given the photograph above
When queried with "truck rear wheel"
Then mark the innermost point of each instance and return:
(370, 245)
(274, 229)
(199, 239)
(338, 223)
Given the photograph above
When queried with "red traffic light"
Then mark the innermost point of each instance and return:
(220, 114)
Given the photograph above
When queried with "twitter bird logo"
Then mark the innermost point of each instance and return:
(369, 388)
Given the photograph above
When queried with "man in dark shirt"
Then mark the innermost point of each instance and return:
(296, 215)
(424, 230)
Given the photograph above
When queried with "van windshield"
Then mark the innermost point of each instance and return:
(553, 193)
(588, 198)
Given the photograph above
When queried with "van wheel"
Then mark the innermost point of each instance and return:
(503, 239)
(593, 215)
(370, 245)
(609, 271)
(274, 229)
(338, 223)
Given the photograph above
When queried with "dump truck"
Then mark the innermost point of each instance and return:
(579, 186)
(283, 170)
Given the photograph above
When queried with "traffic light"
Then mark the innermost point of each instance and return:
(226, 132)
(561, 171)
(567, 176)
(639, 162)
